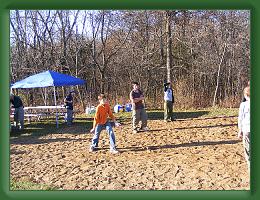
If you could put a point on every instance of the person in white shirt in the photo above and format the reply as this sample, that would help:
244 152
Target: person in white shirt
244 124
168 102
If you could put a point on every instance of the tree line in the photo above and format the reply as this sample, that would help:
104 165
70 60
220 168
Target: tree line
204 53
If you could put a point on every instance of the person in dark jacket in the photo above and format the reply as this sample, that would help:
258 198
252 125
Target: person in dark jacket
18 111
69 105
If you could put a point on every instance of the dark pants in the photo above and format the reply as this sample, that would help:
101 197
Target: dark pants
246 143
168 108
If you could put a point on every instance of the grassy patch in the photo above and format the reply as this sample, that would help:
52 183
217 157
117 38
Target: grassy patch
83 123
192 113
27 185
47 126
214 112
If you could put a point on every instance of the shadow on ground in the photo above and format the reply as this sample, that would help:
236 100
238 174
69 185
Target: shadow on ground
173 146
40 128
33 132
157 115
210 126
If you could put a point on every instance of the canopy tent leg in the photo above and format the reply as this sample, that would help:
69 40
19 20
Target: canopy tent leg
55 102
45 97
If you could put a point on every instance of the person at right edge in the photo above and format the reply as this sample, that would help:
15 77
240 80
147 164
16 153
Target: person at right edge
244 125
168 102
248 85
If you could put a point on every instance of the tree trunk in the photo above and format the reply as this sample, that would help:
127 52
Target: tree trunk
217 86
169 45
102 82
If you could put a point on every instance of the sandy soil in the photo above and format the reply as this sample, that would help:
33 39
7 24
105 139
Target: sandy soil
188 154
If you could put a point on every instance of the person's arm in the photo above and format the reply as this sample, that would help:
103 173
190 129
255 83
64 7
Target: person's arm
131 97
138 99
96 119
240 118
165 87
110 114
135 100
12 103
68 99
172 97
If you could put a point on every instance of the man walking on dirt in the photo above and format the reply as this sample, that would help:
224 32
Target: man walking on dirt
138 113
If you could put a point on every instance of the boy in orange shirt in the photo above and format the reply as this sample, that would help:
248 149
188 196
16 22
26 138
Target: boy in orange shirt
100 122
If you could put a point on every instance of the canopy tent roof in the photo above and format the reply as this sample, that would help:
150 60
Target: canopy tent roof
46 79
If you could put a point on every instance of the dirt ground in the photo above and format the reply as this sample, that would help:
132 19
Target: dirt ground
188 154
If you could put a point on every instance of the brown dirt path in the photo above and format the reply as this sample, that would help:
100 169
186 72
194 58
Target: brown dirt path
188 154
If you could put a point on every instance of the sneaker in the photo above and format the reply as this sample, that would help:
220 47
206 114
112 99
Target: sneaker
134 131
145 128
91 149
114 151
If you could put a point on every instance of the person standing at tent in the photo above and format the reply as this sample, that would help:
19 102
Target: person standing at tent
69 105
101 122
18 111
138 113
168 102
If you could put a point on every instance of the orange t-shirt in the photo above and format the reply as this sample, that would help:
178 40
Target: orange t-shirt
102 113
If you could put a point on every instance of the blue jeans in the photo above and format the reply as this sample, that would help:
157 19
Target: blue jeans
110 131
19 117
69 116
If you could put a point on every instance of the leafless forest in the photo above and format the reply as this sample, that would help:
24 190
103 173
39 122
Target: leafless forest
206 54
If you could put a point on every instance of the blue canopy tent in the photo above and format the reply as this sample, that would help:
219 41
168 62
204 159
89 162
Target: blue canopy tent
48 79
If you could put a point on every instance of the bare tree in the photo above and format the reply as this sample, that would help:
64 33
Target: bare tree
206 52
169 44
103 47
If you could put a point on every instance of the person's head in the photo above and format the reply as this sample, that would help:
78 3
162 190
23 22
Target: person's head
102 99
247 92
135 85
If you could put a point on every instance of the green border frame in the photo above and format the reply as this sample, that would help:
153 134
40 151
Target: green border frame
6 5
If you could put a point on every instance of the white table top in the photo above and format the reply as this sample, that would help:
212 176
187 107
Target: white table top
45 107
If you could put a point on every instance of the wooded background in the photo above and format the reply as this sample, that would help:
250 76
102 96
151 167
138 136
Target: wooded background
205 54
